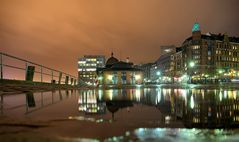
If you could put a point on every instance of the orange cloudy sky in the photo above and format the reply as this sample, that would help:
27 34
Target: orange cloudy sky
56 32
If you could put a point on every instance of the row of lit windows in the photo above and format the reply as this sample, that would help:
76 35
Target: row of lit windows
234 65
224 52
91 59
220 45
197 57
196 47
196 52
88 76
87 69
93 65
224 58
88 72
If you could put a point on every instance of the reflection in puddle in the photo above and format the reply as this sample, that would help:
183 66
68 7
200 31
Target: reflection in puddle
82 118
179 135
128 109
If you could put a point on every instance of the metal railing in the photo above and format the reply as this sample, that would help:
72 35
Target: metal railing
47 75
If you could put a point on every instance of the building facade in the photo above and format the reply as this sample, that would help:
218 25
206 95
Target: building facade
167 49
209 57
119 73
87 66
146 68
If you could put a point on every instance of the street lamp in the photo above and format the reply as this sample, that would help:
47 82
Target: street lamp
191 64
158 73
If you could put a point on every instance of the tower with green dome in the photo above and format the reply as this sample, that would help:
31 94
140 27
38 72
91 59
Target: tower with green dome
196 27
196 31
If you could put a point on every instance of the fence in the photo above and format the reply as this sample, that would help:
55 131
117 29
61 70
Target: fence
20 67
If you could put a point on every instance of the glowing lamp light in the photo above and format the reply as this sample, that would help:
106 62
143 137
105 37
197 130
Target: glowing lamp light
109 77
158 73
100 78
220 71
137 77
191 64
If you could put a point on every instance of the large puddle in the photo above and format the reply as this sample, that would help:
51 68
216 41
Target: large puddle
140 114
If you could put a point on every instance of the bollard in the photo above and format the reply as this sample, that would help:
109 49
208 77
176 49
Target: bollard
67 80
30 73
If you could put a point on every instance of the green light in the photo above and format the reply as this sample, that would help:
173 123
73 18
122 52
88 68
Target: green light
220 71
158 73
191 64
196 27
100 78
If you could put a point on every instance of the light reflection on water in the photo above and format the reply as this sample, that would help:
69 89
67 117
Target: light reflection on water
178 134
194 108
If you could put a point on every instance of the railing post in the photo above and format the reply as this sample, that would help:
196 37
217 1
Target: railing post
26 71
41 75
52 76
1 67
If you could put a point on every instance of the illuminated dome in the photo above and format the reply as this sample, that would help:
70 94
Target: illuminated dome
112 60
196 27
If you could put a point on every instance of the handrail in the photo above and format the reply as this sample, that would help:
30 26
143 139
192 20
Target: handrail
41 72
11 56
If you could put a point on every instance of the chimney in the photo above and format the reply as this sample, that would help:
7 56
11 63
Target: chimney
127 60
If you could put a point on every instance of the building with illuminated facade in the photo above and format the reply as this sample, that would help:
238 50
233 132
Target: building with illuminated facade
87 66
176 65
210 56
119 73
146 68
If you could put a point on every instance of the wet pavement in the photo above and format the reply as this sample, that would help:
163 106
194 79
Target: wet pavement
141 114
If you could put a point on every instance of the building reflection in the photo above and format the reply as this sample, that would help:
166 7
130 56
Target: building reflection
211 108
90 104
194 107
114 106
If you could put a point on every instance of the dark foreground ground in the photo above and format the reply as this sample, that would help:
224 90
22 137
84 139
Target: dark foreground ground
50 128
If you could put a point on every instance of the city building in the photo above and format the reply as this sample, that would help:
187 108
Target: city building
155 73
210 57
176 65
119 73
87 66
146 70
167 49
166 63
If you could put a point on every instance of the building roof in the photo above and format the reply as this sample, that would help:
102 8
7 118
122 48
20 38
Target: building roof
112 60
119 66
219 37
122 66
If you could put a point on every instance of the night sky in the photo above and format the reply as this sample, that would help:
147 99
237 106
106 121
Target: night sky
56 33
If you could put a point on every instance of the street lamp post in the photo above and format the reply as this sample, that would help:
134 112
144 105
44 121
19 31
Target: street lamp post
191 65
158 74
